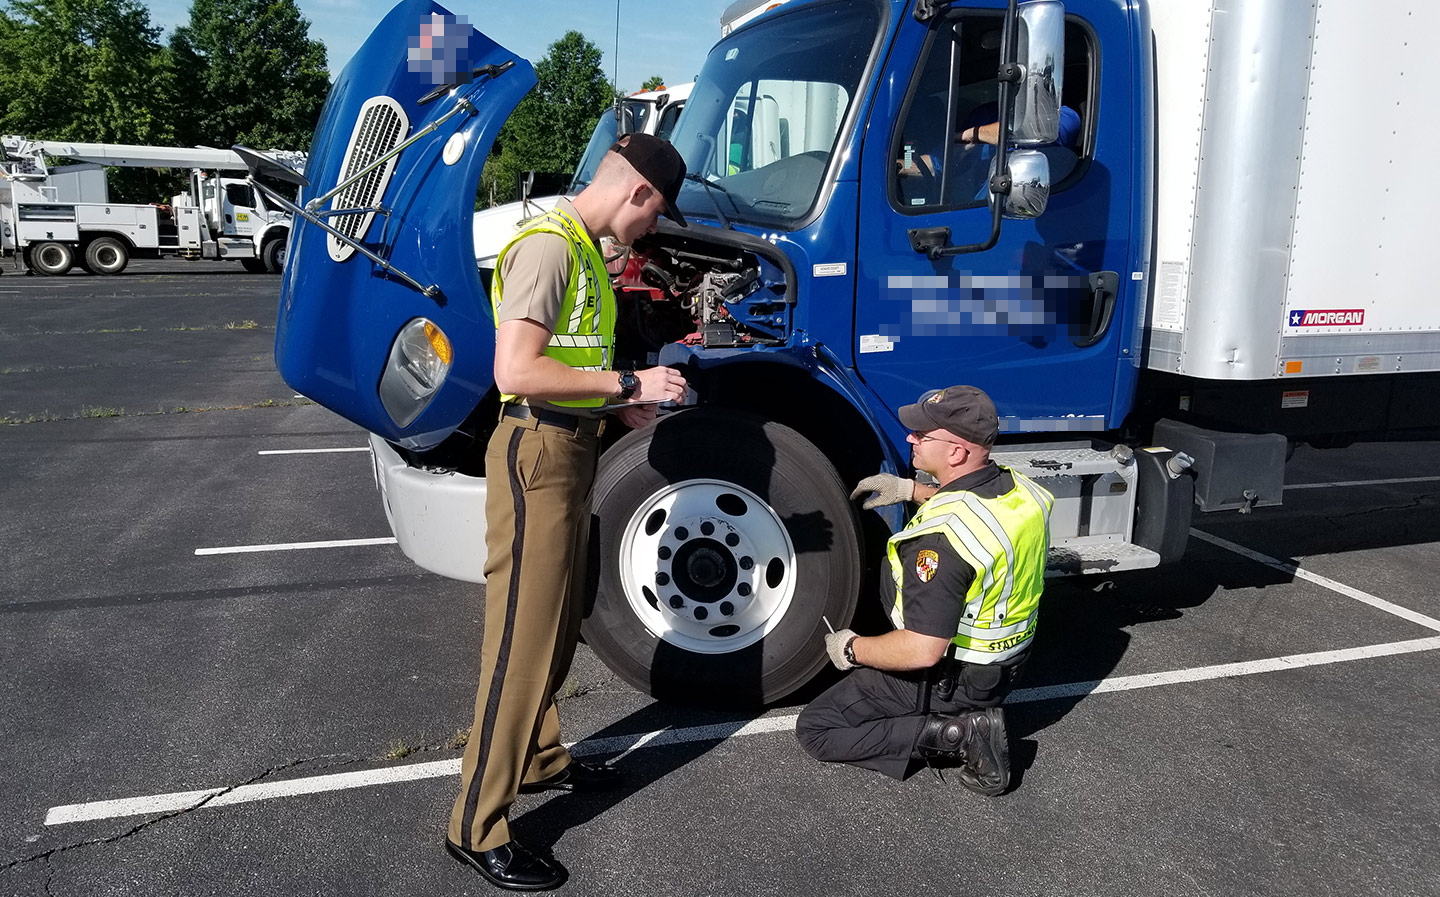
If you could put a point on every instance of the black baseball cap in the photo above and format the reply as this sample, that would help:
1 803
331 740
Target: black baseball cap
659 163
964 411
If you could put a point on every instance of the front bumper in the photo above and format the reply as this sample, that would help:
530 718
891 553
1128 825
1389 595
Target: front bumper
438 518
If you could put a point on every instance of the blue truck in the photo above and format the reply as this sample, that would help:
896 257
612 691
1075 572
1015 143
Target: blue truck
1219 263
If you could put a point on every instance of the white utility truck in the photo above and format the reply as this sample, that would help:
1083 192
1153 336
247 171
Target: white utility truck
217 217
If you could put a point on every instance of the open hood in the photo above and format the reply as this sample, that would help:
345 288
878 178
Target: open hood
342 305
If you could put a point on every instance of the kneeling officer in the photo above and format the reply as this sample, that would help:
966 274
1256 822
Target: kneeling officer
968 571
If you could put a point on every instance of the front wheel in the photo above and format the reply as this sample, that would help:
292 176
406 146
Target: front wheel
723 540
272 254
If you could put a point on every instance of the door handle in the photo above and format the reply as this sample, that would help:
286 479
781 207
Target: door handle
1104 289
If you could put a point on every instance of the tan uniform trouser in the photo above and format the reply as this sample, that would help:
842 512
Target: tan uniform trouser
538 518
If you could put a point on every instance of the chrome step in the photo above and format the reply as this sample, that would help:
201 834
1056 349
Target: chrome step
1079 556
1044 462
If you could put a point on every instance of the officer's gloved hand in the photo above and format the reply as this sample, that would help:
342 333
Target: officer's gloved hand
885 489
835 643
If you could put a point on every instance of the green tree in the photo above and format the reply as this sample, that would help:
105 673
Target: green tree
549 129
85 70
260 80
654 82
90 71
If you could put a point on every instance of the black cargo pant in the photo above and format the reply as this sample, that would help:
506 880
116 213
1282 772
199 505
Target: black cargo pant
872 718
538 519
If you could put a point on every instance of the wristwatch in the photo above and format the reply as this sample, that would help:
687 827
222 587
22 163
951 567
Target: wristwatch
628 384
850 651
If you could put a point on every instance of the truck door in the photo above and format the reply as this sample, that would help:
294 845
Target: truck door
239 215
1020 320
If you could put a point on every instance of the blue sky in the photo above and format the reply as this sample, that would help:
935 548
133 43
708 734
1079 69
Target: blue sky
666 39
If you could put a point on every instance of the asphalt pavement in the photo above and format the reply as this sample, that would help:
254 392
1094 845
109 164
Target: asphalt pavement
197 700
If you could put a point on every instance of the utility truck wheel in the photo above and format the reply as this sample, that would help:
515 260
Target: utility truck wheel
51 258
722 540
254 266
106 255
273 255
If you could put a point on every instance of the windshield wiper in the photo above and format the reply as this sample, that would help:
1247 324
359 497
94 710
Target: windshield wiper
492 71
699 179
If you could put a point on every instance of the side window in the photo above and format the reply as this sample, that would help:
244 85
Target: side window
668 117
944 144
240 195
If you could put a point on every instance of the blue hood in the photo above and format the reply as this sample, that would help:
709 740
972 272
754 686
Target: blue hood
338 319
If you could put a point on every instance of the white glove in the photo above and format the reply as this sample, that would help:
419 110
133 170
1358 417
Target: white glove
887 489
835 643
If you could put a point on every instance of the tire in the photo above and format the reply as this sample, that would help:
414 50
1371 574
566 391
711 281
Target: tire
272 254
51 259
106 255
254 266
687 608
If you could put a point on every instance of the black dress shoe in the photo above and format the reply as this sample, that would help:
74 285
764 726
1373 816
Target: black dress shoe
511 866
578 776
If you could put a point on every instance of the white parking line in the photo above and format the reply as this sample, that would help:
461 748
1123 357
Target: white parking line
626 744
1289 486
295 546
363 448
1403 613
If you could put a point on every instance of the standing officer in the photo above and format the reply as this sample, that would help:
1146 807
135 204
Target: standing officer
968 570
555 320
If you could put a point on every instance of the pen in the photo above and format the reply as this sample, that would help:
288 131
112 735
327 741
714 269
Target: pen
827 623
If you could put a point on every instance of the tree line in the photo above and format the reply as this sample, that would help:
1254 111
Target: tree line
238 71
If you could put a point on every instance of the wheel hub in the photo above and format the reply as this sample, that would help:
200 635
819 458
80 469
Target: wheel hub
707 566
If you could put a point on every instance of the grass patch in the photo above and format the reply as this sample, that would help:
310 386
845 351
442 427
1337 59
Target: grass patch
398 750
458 740
243 325
88 411
570 689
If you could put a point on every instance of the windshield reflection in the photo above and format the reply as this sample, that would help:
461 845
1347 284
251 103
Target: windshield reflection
766 112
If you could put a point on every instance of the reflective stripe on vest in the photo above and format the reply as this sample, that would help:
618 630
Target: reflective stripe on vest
1005 540
585 328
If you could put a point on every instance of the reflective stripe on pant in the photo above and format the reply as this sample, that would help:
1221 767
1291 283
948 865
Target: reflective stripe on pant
537 514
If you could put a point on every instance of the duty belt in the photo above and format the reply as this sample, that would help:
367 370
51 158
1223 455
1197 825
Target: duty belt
574 424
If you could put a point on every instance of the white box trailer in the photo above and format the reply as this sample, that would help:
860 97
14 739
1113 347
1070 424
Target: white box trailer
1291 239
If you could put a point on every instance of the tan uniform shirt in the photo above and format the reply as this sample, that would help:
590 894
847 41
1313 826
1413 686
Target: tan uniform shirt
536 272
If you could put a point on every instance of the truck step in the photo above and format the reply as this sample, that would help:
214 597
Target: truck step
1078 556
1042 462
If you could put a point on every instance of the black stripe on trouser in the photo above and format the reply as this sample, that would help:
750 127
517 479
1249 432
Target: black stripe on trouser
502 655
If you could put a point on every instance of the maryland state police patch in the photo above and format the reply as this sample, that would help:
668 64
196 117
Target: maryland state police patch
926 563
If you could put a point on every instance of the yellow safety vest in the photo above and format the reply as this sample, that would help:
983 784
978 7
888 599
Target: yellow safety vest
584 336
1005 540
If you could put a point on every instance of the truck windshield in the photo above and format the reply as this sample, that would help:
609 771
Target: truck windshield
634 114
765 115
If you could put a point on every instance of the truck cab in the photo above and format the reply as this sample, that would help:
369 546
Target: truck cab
887 196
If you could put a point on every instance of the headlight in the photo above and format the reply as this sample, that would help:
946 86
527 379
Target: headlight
419 360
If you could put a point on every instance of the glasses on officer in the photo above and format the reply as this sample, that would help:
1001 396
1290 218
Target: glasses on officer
924 437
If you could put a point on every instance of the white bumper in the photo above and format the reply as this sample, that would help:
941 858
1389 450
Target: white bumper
438 518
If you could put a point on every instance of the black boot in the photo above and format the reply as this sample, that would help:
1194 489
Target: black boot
943 737
986 752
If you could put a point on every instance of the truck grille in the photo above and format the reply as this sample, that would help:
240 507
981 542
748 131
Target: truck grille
380 127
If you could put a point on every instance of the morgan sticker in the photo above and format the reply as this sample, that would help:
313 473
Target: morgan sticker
926 563
1332 317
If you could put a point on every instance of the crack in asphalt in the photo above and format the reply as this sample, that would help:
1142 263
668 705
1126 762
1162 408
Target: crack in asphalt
47 855
1412 505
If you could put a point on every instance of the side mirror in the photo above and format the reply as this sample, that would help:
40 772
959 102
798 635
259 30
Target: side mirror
1040 53
1029 184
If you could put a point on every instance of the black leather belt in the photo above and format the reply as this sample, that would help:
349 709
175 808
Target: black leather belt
572 423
